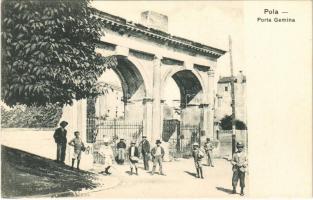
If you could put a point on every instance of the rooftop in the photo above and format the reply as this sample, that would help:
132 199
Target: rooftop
228 79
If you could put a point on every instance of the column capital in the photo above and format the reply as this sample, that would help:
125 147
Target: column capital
147 100
204 105
211 73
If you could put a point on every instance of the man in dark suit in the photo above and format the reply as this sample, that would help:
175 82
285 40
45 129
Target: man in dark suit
121 147
61 140
145 150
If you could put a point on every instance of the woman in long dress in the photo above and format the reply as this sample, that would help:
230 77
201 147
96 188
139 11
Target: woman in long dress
107 153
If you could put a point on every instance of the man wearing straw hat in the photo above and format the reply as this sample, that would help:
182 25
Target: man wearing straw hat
133 154
157 154
239 162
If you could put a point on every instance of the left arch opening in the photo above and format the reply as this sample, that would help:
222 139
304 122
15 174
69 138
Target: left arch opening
124 100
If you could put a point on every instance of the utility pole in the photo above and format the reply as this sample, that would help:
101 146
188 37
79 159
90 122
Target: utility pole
232 98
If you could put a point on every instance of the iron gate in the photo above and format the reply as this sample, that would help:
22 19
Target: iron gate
180 137
114 130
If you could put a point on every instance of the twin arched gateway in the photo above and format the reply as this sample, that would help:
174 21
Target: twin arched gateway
147 59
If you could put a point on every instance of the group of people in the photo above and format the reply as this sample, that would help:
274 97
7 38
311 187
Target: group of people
156 153
239 162
239 159
198 154
60 138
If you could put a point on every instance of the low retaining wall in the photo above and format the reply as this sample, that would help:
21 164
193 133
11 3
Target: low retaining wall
225 141
41 143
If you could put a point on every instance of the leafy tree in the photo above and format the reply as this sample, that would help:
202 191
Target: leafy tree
226 123
48 52
21 116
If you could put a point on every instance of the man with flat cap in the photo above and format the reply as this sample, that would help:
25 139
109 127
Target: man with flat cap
61 140
157 154
240 163
145 150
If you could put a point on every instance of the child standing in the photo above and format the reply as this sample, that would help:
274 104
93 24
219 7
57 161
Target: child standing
79 146
197 155
239 163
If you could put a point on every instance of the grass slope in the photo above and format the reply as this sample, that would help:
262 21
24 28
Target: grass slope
24 174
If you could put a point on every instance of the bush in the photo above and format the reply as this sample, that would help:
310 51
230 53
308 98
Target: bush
226 123
31 116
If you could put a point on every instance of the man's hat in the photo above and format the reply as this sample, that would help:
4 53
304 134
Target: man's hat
63 123
195 144
106 140
208 139
240 145
144 136
158 142
133 142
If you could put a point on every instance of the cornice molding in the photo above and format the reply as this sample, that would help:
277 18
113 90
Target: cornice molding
120 25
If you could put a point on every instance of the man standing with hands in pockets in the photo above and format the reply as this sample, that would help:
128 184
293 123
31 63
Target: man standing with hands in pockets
145 150
157 156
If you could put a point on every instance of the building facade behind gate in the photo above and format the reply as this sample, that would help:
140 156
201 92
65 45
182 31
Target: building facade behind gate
148 57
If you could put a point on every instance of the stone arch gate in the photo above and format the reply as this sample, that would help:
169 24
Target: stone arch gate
147 59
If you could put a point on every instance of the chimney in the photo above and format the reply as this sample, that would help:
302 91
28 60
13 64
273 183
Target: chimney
155 20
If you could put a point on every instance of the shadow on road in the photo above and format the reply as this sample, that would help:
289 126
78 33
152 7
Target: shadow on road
142 168
224 190
128 172
191 174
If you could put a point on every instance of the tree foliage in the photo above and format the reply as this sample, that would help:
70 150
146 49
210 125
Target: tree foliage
226 123
48 52
21 116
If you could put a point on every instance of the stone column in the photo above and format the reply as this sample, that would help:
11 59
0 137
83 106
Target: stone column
156 114
210 104
82 127
204 122
162 102
147 118
76 116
